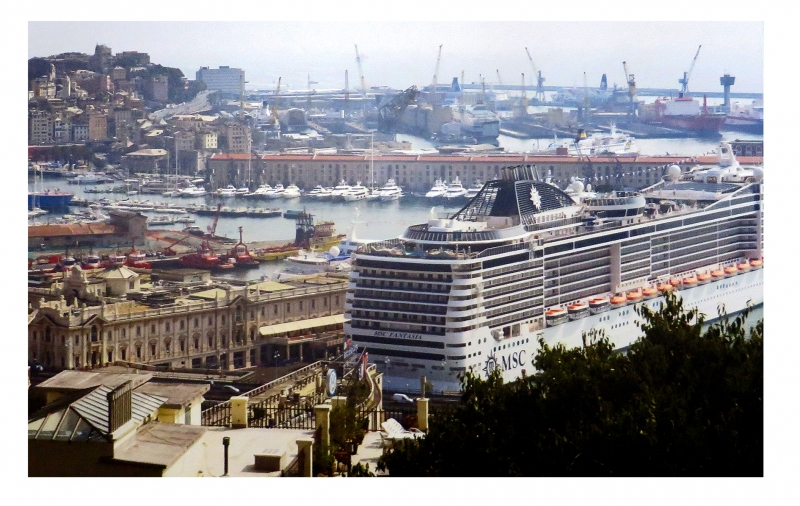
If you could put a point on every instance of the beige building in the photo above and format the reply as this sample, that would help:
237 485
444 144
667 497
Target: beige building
98 126
228 327
207 140
417 173
119 74
145 160
238 137
184 141
40 127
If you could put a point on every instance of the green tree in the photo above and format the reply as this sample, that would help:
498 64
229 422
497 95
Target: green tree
680 402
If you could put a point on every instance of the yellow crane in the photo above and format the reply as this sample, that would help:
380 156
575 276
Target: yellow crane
629 78
275 103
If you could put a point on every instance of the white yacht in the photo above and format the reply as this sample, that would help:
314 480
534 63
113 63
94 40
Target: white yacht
338 192
474 189
455 190
261 191
291 192
193 191
356 192
390 191
523 261
315 191
276 192
374 194
228 191
438 190
241 192
324 194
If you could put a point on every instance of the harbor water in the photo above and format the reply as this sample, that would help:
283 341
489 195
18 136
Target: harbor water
376 220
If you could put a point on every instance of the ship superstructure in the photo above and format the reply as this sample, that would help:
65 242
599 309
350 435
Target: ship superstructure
524 260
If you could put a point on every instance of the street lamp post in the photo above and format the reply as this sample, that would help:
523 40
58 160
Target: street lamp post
275 357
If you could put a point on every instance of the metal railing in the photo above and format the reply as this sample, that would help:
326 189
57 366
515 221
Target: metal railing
297 414
220 414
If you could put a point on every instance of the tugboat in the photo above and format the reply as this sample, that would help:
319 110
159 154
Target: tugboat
137 260
204 257
240 257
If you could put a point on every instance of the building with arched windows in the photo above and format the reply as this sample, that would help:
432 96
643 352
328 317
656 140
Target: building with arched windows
89 320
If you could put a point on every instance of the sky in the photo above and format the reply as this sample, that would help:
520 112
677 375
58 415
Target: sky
402 53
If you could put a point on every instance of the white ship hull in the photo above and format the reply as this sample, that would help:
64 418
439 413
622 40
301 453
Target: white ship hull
516 354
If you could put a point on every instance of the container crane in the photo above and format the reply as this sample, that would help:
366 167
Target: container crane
687 75
500 81
629 78
361 74
539 79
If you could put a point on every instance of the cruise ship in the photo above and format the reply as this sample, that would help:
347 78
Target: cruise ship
524 261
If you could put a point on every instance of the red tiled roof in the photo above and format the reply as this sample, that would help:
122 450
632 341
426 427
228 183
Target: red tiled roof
71 230
499 159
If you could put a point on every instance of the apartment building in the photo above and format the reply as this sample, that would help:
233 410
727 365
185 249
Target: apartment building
225 79
40 127
238 136
98 126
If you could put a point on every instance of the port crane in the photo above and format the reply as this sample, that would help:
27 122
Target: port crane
274 119
390 112
213 227
500 81
686 75
168 251
539 79
361 73
629 78
436 74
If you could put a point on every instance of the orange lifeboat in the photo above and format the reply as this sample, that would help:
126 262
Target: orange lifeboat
675 282
618 301
598 305
634 296
717 274
731 270
556 316
690 281
743 267
578 310
665 287
703 278
649 292
756 263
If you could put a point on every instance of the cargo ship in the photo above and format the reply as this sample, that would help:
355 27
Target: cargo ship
685 113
